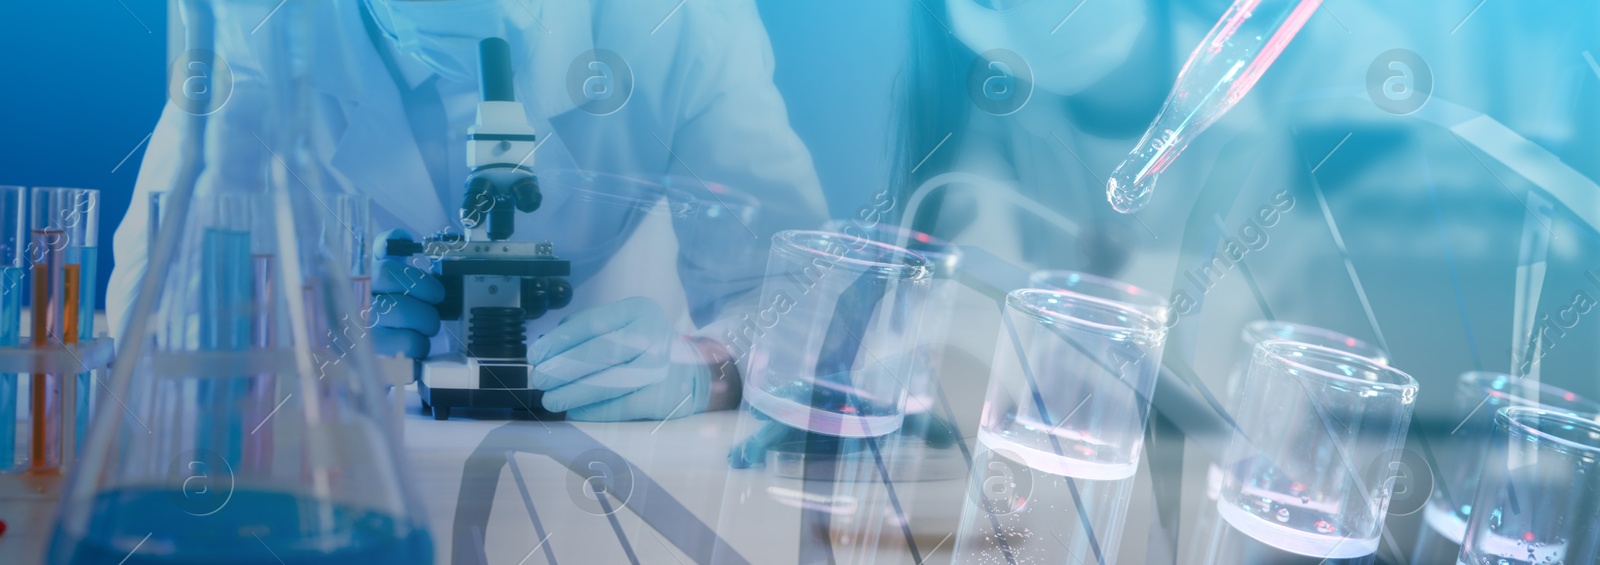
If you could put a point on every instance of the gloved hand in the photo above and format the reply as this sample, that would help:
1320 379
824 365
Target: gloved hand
404 302
612 362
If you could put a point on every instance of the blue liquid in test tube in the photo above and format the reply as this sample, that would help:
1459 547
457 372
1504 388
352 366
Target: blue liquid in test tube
86 258
226 296
12 285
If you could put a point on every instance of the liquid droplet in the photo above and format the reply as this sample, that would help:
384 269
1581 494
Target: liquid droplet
1127 194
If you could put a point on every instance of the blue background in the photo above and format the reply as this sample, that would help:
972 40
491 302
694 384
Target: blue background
83 88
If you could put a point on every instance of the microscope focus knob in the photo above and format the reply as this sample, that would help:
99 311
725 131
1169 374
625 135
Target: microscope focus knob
535 298
478 203
559 292
526 194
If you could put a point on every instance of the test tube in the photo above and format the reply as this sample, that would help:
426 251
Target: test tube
227 298
258 446
83 256
1061 431
839 316
1479 395
47 254
350 233
12 286
1305 474
1538 500
153 214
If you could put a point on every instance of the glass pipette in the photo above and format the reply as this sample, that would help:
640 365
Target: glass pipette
1222 69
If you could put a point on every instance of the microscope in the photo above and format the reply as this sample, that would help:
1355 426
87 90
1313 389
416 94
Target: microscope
492 285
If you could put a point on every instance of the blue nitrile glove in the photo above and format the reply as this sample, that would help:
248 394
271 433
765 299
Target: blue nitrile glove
404 302
612 362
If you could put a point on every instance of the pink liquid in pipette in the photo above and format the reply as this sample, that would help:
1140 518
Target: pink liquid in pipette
1220 71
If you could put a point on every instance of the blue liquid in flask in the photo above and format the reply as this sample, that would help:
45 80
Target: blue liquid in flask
153 526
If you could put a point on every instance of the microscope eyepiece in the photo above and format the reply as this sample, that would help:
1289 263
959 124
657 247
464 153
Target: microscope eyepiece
494 81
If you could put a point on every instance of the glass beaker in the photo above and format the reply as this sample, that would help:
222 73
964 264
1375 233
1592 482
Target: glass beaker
1308 468
1062 428
1071 383
836 312
13 272
1263 330
943 259
1461 455
1150 303
1538 500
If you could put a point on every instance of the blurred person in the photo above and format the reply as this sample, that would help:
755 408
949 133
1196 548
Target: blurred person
396 99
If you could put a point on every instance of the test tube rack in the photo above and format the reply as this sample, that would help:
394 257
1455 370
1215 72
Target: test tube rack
94 356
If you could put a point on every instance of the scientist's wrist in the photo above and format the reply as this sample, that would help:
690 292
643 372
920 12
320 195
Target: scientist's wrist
726 387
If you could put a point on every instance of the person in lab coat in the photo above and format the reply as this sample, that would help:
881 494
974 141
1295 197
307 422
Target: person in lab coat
1040 103
396 95
1043 99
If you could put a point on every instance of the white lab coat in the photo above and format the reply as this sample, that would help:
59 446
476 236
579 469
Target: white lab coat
703 107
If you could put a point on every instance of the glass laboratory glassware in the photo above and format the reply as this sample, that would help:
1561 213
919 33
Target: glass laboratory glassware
943 259
1263 330
151 486
1220 71
82 270
719 247
828 352
158 199
175 470
1308 467
838 318
1538 500
349 228
1479 395
54 293
1071 383
13 274
1062 428
1150 303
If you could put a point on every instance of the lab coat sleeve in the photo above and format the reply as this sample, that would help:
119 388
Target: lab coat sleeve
157 173
734 131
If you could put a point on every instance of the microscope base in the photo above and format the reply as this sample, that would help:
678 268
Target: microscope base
520 401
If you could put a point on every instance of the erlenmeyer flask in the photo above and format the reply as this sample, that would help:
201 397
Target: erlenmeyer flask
234 445
244 421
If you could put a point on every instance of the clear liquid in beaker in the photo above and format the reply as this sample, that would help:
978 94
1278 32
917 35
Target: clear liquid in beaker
1299 526
1071 442
846 418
